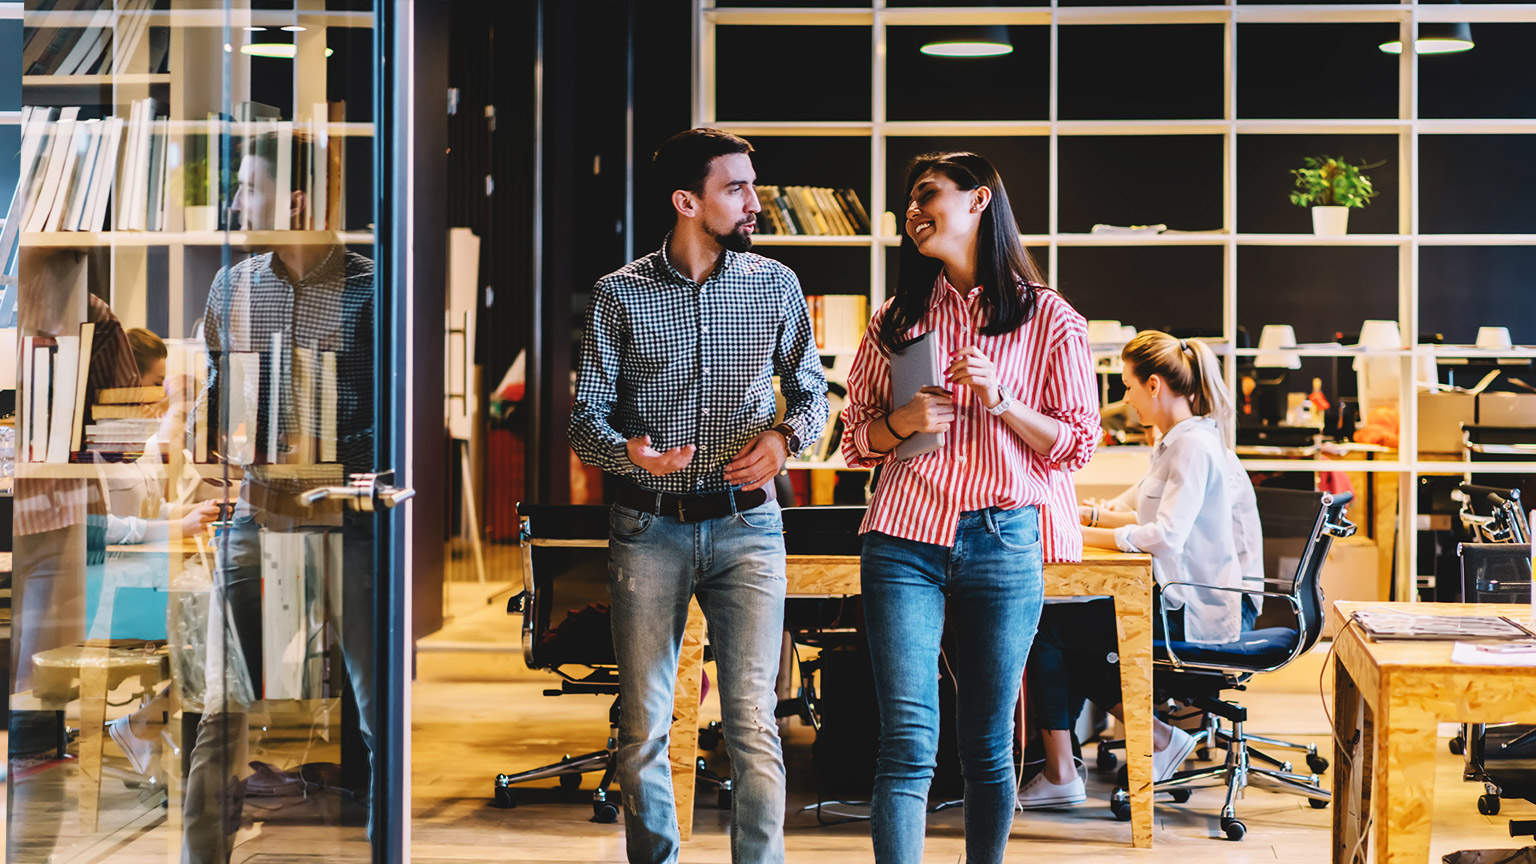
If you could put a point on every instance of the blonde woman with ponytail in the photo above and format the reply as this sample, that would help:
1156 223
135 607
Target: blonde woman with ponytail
1195 513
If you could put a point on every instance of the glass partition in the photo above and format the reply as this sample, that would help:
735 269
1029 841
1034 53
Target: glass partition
190 293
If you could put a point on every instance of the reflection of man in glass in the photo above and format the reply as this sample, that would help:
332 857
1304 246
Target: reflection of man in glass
303 315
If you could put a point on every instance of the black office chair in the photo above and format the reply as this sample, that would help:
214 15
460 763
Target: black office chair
1495 569
1196 674
568 545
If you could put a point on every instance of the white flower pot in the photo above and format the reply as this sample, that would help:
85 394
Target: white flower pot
1332 221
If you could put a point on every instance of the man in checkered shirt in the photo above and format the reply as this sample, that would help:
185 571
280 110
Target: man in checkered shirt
675 398
317 299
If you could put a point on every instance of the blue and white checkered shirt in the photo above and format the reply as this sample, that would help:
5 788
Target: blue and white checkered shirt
693 364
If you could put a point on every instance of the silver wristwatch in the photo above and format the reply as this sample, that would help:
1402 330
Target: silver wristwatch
1004 402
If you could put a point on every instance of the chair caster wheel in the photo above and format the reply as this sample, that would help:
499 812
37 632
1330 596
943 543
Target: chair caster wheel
1318 803
1120 805
1457 745
1235 828
723 799
570 782
604 813
1179 796
1316 763
1203 754
504 799
711 736
1105 760
1488 805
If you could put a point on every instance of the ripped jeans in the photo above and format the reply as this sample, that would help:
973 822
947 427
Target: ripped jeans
735 566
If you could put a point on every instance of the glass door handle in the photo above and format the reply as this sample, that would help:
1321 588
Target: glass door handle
364 492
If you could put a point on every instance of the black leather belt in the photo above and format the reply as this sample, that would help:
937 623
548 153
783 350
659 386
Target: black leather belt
690 508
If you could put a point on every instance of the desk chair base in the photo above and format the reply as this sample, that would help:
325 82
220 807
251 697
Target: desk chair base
1235 775
571 768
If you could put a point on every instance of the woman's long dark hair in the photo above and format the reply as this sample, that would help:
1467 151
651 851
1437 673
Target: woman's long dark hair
1008 276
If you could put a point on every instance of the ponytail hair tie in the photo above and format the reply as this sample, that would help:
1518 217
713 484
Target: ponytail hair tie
1183 345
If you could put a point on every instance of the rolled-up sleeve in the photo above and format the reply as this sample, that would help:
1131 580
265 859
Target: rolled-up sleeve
798 365
869 397
1070 397
592 434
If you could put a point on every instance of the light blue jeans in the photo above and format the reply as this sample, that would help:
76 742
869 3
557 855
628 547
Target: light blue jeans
991 580
735 566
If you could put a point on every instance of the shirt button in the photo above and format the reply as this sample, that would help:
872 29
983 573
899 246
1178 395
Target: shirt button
706 370
706 329
961 458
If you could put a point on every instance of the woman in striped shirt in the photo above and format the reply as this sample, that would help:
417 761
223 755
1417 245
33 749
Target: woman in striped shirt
959 529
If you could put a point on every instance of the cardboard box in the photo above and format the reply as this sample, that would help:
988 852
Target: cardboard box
1350 573
1506 409
1440 419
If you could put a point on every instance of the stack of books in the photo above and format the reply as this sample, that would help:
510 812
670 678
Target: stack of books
811 210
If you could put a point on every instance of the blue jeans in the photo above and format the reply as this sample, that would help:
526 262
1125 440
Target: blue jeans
992 582
735 566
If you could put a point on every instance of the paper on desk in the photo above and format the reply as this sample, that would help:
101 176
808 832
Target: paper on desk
1494 653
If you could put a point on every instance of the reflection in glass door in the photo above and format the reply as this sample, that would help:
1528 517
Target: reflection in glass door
197 499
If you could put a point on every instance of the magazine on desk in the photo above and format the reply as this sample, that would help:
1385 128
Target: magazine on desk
1385 626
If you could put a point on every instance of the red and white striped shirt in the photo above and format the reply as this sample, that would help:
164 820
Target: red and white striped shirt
1046 365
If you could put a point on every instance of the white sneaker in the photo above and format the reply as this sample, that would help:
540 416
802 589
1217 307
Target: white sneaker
140 753
1168 760
1040 792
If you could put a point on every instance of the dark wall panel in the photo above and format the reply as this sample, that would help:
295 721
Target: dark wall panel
1318 290
1172 179
1023 163
1014 86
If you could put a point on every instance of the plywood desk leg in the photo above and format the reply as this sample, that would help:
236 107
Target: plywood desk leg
1405 782
684 745
93 717
1133 621
1351 766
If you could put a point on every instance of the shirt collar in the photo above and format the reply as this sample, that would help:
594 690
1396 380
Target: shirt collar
1183 428
323 273
727 261
944 289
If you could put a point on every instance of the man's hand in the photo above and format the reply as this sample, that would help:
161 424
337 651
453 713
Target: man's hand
659 462
757 463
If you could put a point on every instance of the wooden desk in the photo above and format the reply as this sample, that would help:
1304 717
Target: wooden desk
1389 698
1125 577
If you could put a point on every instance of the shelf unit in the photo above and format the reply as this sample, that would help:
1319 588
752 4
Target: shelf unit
1407 126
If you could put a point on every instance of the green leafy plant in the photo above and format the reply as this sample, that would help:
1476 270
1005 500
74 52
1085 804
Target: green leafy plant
1330 181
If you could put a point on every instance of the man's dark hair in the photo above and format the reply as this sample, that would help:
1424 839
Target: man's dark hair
682 161
264 144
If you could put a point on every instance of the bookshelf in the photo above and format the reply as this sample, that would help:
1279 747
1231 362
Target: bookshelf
188 60
1403 108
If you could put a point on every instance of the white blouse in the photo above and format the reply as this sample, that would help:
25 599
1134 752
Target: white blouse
1197 516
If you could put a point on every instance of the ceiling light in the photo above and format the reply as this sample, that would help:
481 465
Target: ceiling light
1436 38
294 28
987 41
279 50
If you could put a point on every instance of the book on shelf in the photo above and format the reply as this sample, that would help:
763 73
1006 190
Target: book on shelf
55 375
811 211
60 139
86 344
100 45
130 395
838 321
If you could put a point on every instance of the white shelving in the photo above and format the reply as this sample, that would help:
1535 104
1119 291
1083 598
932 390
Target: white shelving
1407 126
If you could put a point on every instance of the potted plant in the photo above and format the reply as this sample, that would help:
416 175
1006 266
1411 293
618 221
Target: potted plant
1330 186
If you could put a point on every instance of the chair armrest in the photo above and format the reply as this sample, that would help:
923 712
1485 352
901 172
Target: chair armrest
1162 612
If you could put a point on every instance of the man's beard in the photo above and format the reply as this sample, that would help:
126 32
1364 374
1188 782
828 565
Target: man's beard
737 240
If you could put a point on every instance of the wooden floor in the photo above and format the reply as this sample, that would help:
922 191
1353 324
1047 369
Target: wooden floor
477 711
478 715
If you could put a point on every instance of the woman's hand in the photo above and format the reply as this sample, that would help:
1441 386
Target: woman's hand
198 517
975 370
931 410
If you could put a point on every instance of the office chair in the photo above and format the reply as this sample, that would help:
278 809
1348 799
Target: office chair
1495 569
568 544
1196 674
